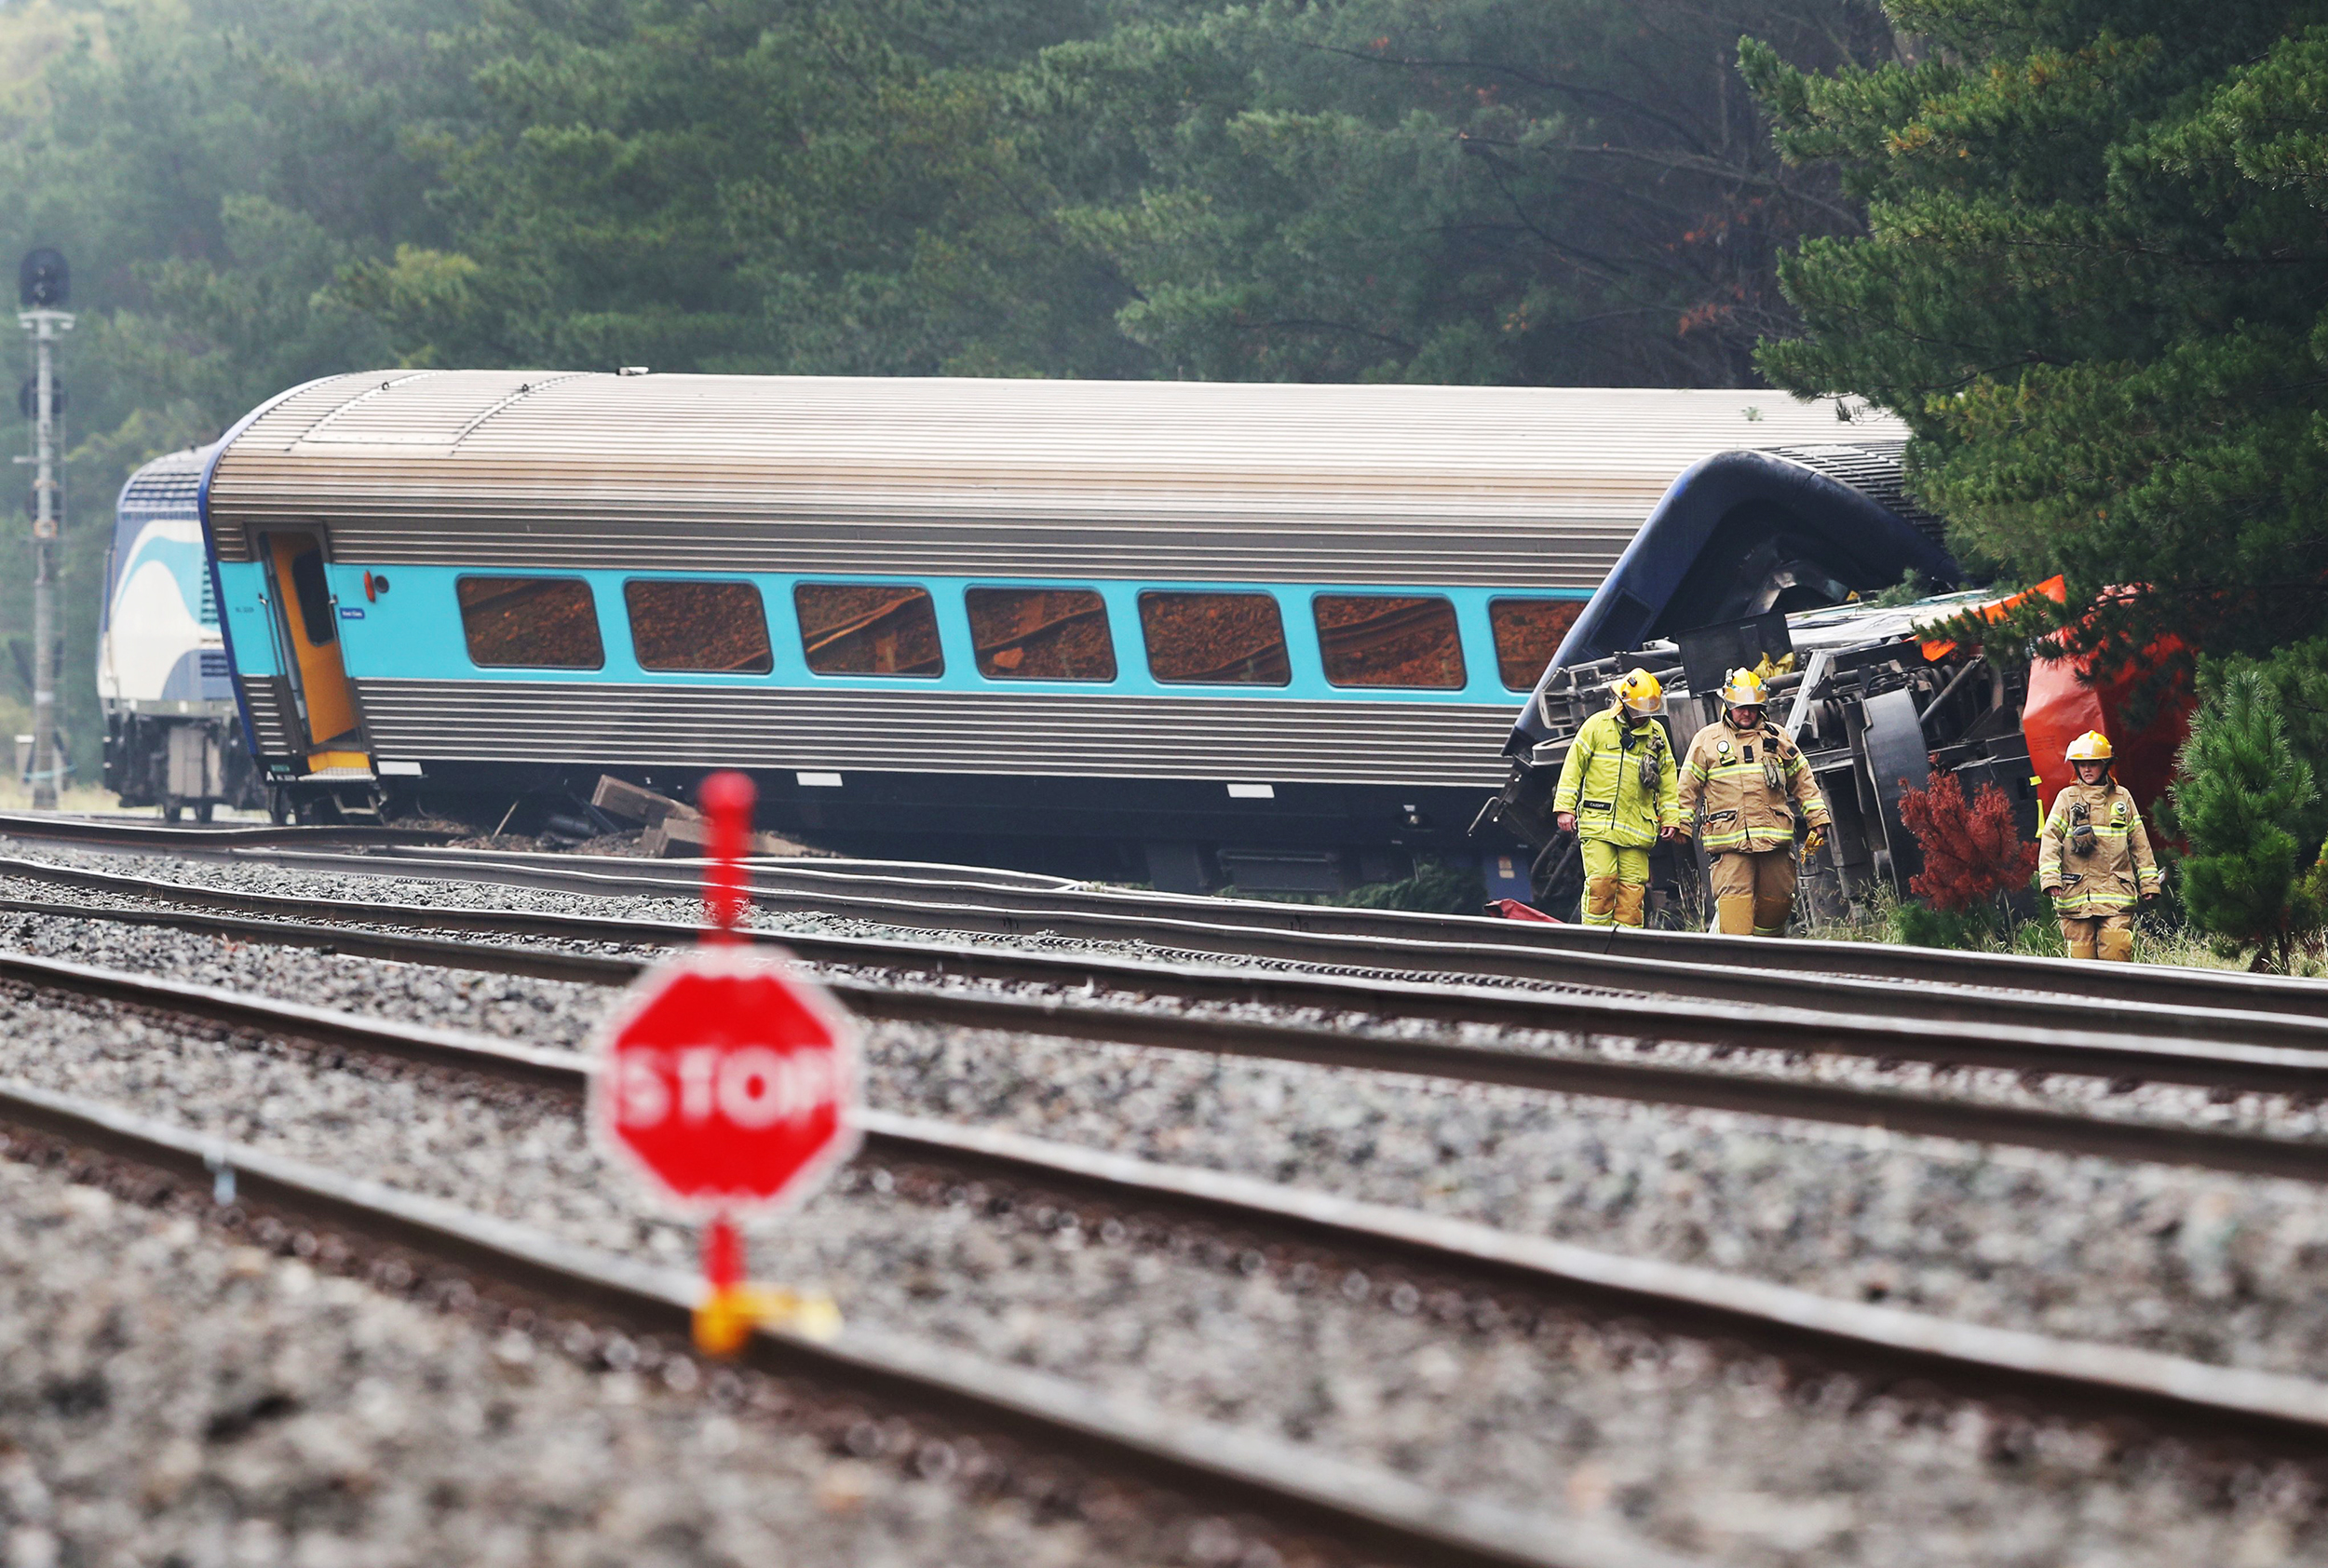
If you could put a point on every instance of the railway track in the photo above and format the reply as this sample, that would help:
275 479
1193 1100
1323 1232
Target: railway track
1369 978
1014 904
1202 1468
2193 1401
1600 1075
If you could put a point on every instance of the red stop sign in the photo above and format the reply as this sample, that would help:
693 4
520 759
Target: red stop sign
729 1079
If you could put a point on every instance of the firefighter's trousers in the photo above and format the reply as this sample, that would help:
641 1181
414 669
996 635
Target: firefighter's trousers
2099 936
1615 883
1754 890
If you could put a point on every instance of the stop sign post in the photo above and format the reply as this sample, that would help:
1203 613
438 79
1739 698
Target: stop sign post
728 1080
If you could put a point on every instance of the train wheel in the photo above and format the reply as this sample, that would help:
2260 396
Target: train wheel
173 808
203 811
278 807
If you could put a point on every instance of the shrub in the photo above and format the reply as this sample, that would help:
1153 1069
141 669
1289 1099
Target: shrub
1973 851
2242 799
1920 925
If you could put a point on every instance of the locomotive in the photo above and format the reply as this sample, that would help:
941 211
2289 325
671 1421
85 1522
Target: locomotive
172 735
1192 635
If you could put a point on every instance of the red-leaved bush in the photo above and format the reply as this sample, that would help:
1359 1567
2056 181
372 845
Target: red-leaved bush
1972 851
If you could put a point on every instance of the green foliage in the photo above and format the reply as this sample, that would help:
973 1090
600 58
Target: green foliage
2240 803
1437 887
753 185
2091 282
1911 586
1919 925
1459 191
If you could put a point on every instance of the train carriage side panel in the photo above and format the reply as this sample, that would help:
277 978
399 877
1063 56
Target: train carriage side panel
420 478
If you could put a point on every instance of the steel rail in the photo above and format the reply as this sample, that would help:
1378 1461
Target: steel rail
131 832
215 839
1294 934
1848 1007
1073 909
2076 1378
2090 1379
2165 984
1841 999
1560 1072
1216 1468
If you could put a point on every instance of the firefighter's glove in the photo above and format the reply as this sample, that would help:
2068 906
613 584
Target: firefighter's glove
1565 821
2081 831
1670 835
1815 843
1773 775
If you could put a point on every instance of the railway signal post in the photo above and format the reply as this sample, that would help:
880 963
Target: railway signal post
730 1082
44 285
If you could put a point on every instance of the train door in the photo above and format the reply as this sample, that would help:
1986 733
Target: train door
309 620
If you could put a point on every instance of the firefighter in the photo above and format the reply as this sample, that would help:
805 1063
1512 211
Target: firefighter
1617 794
1742 784
2093 857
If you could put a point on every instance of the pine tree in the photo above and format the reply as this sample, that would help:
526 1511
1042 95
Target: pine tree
2240 803
2091 282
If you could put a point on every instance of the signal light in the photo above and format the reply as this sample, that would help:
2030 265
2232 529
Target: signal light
42 281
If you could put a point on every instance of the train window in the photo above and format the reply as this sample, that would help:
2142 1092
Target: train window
1215 639
1527 635
717 626
867 629
1379 640
530 623
1040 634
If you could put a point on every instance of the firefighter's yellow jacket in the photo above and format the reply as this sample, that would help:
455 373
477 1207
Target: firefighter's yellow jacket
1600 781
2119 868
1726 787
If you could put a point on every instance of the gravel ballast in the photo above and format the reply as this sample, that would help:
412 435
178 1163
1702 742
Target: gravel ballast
2206 1265
173 1397
1703 1453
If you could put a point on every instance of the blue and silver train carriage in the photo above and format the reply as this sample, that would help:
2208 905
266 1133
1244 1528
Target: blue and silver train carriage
1182 632
172 738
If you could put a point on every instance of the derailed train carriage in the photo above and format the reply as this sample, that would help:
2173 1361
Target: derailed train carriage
1186 634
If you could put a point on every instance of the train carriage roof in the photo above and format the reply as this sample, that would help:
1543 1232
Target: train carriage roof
1527 487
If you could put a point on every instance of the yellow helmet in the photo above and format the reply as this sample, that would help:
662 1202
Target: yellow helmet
1639 692
2091 746
1745 690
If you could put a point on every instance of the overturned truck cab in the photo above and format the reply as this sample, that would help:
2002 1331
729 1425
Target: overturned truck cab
1875 708
1761 560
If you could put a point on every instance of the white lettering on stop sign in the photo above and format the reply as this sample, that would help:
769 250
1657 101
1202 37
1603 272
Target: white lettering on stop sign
751 1086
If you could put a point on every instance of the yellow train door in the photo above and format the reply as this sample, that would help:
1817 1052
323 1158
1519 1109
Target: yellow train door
310 621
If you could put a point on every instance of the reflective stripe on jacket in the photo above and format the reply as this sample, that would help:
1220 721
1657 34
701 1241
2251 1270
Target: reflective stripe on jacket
2119 871
1599 781
1727 791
